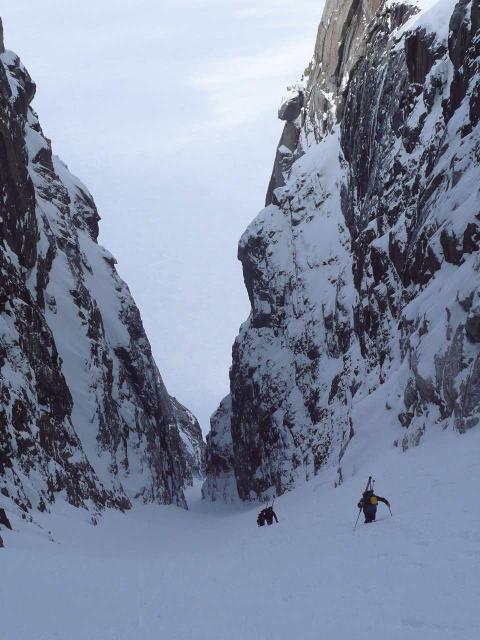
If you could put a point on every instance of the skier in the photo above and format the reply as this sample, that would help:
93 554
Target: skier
266 515
270 515
368 502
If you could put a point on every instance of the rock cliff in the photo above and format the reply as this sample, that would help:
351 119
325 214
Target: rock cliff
363 270
84 413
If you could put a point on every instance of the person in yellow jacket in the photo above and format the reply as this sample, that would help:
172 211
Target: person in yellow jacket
368 502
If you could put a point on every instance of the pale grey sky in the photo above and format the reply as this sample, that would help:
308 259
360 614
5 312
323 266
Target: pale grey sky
167 111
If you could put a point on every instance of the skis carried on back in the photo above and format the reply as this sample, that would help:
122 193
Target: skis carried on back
369 487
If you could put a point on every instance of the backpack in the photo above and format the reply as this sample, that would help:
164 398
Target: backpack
369 498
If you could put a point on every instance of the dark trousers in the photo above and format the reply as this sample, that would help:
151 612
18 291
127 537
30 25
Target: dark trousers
370 514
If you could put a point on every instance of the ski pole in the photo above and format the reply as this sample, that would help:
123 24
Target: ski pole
356 521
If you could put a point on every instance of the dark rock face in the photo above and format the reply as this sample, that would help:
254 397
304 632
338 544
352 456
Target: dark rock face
220 483
363 271
84 411
4 521
291 112
192 442
311 108
292 108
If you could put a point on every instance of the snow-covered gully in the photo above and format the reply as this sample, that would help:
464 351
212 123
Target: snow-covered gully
360 357
211 574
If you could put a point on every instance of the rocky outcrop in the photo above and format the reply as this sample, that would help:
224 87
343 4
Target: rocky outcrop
340 43
220 481
84 413
4 521
363 269
192 443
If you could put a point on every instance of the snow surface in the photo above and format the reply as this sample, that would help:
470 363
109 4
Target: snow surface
210 573
433 16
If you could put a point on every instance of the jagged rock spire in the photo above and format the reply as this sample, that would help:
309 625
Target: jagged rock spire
339 45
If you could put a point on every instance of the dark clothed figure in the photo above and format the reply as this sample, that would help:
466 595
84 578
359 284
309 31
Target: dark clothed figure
368 502
266 515
261 518
270 515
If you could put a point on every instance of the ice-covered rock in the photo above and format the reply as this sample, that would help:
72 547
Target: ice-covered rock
84 413
363 271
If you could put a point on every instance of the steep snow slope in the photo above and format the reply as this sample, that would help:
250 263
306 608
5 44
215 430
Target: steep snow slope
363 270
84 412
210 573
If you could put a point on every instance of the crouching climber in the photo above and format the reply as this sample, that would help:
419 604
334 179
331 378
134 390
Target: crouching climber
368 503
266 515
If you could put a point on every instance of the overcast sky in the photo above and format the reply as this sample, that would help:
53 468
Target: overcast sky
166 109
